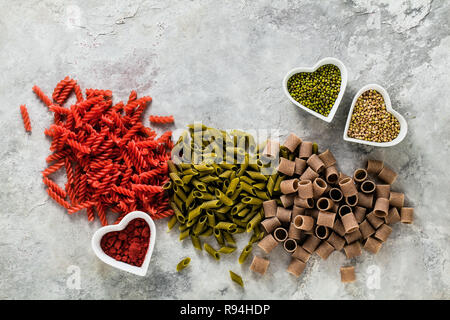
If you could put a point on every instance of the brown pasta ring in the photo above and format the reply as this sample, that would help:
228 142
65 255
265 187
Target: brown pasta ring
311 243
319 187
300 166
305 150
268 243
309 174
383 191
388 175
290 245
366 229
259 265
381 207
326 219
352 200
294 233
324 204
269 206
289 186
324 250
368 186
331 175
374 166
301 254
284 215
304 203
270 224
372 245
315 163
360 175
305 189
305 223
365 200
348 274
327 158
347 186
296 267
344 209
287 200
396 199
292 142
280 234
322 232
407 215
335 194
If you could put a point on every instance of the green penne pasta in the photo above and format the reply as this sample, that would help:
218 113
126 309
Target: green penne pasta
256 175
192 214
183 264
203 168
207 233
252 200
237 208
211 251
270 185
239 222
208 179
236 278
253 222
237 230
236 193
226 174
227 166
167 185
203 195
260 186
223 209
172 222
210 204
276 187
180 204
245 252
184 234
190 223
187 178
227 250
176 179
180 217
190 172
171 166
247 180
232 186
228 238
199 185
200 225
211 218
247 188
180 194
196 243
315 148
190 198
223 198
183 227
225 225
262 195
243 212
218 235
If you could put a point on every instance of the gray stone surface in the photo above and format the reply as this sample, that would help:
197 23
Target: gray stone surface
222 62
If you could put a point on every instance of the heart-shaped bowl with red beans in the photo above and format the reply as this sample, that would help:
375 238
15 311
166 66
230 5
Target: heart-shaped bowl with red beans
127 245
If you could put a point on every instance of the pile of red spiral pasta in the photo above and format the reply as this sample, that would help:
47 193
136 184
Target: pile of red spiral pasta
112 161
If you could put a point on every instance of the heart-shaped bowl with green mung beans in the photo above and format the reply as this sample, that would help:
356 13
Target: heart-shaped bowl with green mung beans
372 120
317 90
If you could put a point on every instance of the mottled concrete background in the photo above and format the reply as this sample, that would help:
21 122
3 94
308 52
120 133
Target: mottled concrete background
222 62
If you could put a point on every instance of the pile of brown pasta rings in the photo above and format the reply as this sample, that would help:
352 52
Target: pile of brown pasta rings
288 194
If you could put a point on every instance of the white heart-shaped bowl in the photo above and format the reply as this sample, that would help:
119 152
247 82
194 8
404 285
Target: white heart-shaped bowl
387 100
98 235
322 62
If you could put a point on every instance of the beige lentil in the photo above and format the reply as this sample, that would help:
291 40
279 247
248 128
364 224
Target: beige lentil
371 121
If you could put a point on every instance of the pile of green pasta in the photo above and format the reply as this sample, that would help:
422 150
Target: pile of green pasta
218 183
